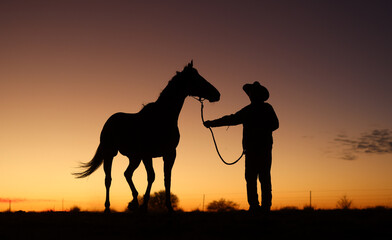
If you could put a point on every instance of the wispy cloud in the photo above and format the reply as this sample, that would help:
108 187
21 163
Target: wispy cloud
378 141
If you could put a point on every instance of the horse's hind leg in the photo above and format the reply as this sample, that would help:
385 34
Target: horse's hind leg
107 166
133 164
168 160
150 179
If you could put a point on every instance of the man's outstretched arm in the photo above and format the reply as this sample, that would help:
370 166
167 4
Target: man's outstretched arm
228 120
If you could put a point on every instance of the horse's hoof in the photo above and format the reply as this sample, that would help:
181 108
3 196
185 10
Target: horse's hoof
143 209
133 205
170 210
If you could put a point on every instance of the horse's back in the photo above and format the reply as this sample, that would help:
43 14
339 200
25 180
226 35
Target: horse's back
144 133
116 124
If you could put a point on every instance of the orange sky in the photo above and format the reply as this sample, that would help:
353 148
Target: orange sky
66 66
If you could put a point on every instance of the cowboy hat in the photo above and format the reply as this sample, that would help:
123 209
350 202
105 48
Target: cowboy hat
256 92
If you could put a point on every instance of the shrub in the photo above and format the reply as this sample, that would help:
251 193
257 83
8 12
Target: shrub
157 202
222 205
308 208
74 209
289 208
344 203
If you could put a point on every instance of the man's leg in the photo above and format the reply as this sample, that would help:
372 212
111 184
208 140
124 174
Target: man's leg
251 181
265 180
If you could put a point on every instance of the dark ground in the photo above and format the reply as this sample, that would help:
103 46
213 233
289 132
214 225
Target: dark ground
319 224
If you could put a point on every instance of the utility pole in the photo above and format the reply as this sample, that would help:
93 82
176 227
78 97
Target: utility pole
62 205
204 198
10 205
310 199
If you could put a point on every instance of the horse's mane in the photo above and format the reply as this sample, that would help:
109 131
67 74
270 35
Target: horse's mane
172 88
169 91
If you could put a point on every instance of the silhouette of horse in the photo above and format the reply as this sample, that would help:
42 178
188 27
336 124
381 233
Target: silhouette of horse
152 132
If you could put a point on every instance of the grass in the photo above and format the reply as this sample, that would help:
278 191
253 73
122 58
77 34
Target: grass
337 224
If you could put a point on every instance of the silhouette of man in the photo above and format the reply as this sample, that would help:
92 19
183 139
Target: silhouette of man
259 121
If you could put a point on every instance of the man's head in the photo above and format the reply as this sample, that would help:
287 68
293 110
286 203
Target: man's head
256 92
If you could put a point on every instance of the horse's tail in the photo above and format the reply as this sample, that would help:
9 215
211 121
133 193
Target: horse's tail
93 165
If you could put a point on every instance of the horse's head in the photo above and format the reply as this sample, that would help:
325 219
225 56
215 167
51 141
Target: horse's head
197 86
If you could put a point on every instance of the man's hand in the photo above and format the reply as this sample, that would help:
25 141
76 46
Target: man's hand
207 124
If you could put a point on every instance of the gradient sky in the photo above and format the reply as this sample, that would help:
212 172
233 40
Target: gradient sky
66 66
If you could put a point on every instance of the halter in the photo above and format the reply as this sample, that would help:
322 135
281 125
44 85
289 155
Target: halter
201 100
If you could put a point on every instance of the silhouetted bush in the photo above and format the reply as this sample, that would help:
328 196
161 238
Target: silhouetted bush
289 208
222 205
344 203
74 209
197 210
308 208
157 202
378 208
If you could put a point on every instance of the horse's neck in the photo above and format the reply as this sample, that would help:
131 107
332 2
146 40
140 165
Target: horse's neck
171 100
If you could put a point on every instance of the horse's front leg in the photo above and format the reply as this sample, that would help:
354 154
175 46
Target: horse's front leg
168 165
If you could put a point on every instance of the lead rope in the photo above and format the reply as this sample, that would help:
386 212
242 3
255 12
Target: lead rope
213 138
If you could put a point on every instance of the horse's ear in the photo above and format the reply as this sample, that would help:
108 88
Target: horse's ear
190 65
